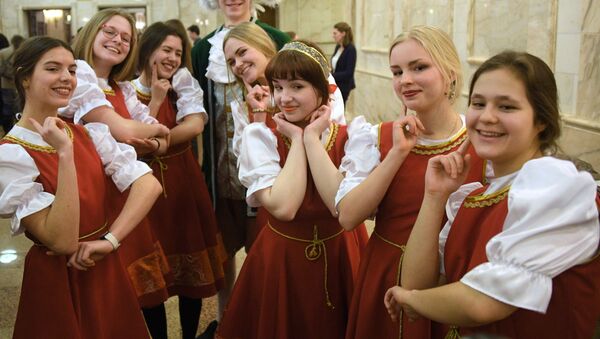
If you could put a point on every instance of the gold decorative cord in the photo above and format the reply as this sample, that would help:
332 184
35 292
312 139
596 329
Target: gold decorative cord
486 200
163 167
452 333
83 237
398 273
26 144
313 251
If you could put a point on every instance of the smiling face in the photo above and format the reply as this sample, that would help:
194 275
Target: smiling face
416 79
500 122
296 98
167 57
53 79
112 42
235 11
245 61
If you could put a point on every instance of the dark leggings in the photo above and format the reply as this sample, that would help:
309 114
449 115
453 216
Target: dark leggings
189 317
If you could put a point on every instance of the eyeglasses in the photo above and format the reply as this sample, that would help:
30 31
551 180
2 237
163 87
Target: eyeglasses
111 32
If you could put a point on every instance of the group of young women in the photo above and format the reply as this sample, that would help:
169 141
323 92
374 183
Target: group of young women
478 228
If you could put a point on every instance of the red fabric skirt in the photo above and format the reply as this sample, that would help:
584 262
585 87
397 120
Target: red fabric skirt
368 316
280 293
184 222
142 257
62 302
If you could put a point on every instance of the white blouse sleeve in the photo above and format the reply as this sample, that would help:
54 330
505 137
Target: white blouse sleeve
337 104
361 155
87 96
119 160
551 226
137 110
20 195
258 161
190 95
452 206
240 121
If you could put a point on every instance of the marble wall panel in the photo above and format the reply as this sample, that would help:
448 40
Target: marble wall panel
588 100
428 12
374 98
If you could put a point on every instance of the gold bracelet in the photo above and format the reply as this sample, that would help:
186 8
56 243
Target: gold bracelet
259 110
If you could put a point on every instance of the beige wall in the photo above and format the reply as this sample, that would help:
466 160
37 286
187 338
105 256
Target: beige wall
564 33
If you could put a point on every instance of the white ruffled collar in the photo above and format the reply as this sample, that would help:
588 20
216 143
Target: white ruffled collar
217 65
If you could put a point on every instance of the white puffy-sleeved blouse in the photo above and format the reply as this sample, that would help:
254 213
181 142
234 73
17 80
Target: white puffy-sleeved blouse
362 153
259 159
552 225
21 195
190 96
87 95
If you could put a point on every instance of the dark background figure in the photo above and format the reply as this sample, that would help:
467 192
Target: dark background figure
7 86
343 60
194 34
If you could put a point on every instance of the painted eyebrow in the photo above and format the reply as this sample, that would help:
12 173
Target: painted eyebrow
499 97
410 64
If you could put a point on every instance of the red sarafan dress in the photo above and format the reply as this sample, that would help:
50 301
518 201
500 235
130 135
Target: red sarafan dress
297 280
62 302
182 217
141 253
532 243
381 261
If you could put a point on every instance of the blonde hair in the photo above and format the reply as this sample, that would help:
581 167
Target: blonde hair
442 51
83 47
253 35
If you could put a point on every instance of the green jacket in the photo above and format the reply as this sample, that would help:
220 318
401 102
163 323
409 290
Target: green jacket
200 53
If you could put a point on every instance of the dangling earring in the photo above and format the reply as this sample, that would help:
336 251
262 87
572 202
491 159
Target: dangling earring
452 91
25 84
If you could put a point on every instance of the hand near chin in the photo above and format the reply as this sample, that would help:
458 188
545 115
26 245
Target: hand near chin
406 131
446 173
159 87
53 132
320 120
287 128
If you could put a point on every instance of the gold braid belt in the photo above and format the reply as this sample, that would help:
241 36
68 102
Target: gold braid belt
163 167
313 251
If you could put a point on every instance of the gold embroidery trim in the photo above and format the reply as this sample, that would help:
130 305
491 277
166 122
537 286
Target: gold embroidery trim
163 167
486 200
398 273
333 131
433 149
108 91
140 93
313 251
443 147
45 149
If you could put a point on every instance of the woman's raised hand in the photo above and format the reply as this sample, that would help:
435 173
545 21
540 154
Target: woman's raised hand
287 128
53 132
258 98
319 121
406 130
159 87
446 173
